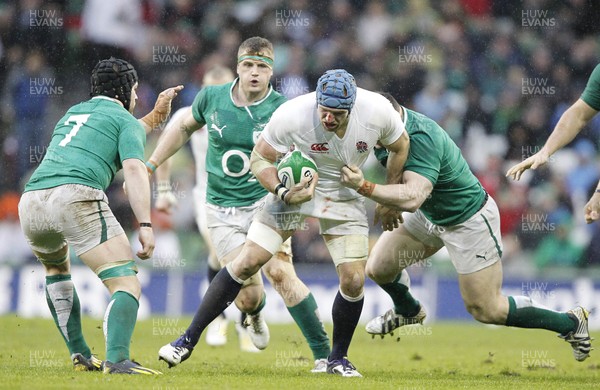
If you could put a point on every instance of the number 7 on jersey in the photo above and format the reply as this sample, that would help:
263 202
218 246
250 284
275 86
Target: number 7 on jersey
79 120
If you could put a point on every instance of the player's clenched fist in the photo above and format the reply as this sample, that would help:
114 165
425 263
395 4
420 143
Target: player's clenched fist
303 191
352 176
146 237
592 208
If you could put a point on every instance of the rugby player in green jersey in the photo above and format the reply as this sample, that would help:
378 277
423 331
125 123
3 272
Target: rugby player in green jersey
64 205
216 333
570 124
449 207
235 115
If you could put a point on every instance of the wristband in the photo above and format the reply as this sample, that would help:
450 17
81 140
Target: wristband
279 186
366 189
145 224
150 166
281 192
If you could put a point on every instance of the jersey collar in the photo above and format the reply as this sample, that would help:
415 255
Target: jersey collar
253 104
109 99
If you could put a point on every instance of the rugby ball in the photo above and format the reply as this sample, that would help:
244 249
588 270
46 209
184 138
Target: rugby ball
294 166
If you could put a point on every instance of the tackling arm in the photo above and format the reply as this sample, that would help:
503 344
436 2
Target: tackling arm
408 196
398 153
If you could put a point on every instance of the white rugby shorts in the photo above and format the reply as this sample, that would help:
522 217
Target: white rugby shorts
228 227
473 245
72 213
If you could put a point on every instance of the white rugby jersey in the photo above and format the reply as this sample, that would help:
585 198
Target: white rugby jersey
296 124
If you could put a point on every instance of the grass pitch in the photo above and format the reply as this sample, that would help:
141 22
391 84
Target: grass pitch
440 356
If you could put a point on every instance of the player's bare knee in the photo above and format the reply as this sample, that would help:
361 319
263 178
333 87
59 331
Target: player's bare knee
277 274
484 313
378 274
352 284
129 284
248 299
247 267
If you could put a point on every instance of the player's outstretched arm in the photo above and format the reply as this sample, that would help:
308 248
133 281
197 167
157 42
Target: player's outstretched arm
173 138
138 192
165 199
162 109
569 125
408 196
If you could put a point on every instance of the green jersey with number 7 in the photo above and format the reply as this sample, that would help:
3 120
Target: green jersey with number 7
88 145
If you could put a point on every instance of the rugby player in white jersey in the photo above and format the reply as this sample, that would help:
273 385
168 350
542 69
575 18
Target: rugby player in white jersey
337 125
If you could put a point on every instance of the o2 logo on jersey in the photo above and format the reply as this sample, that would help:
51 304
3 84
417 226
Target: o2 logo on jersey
320 148
362 146
237 154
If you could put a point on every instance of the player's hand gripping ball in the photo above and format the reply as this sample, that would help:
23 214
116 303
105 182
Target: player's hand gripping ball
294 166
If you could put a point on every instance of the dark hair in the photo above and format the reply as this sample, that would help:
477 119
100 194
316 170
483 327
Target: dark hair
257 46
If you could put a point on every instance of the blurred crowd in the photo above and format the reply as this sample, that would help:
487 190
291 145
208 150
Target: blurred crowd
497 75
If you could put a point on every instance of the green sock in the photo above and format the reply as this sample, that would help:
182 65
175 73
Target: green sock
306 315
404 303
65 308
119 322
523 312
261 305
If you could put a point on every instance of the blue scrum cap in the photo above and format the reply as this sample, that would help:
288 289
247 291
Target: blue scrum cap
336 89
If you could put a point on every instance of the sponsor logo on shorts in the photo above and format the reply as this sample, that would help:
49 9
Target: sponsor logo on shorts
320 148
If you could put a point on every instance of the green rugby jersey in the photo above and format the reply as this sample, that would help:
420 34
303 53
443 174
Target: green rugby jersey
232 133
88 146
591 93
457 193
